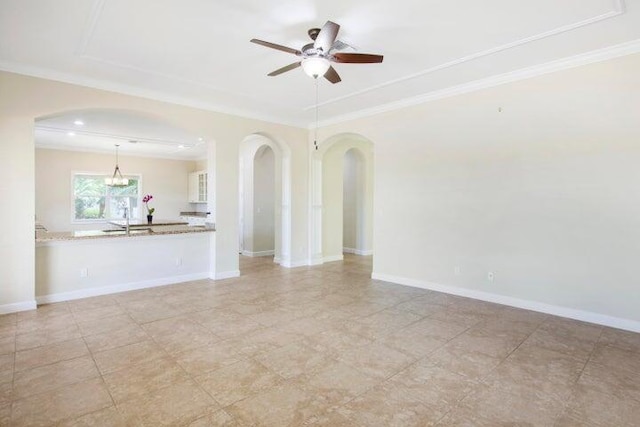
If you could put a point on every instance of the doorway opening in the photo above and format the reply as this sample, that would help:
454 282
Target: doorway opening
260 240
264 195
354 233
342 199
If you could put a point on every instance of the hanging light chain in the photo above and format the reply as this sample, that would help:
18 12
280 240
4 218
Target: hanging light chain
315 137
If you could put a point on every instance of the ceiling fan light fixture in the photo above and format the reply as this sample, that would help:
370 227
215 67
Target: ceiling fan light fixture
318 56
315 67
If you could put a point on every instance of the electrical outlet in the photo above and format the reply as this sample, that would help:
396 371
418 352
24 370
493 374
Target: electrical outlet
490 276
178 262
456 270
84 272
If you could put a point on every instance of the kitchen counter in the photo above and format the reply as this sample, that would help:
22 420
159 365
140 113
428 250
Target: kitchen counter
195 214
81 264
143 222
153 230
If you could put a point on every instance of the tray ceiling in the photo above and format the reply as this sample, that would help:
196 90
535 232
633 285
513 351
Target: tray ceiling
197 52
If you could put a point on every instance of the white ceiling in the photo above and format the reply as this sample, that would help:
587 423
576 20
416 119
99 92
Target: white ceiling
197 52
100 130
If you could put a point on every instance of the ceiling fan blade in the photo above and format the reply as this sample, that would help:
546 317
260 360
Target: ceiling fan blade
332 75
276 46
285 69
357 58
327 36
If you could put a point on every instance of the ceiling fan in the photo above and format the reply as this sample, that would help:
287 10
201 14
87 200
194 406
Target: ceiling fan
318 56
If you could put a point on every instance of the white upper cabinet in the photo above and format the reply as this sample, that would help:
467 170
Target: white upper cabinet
198 187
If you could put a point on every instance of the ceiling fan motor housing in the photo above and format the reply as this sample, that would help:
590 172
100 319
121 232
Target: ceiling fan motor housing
313 33
309 50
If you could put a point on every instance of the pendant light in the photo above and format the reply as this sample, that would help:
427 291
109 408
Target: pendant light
117 180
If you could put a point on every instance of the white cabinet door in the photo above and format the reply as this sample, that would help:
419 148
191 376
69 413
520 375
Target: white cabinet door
202 187
198 187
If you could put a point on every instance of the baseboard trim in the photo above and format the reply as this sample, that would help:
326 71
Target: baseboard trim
332 258
258 254
227 275
294 264
124 287
357 251
18 306
314 261
571 313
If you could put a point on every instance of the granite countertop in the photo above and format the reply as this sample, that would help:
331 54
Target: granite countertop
197 214
153 230
143 222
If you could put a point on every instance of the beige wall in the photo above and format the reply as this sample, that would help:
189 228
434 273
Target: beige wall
201 165
25 98
357 230
17 249
264 181
166 180
545 194
350 193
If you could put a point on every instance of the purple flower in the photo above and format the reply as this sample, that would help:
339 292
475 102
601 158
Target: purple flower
146 200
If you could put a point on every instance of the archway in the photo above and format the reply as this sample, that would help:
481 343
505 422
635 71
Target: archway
260 157
73 158
327 193
156 156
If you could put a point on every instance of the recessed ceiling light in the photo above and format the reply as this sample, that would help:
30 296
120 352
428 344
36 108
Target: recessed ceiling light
78 122
180 146
200 139
71 134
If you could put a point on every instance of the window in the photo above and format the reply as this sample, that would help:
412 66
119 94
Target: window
93 200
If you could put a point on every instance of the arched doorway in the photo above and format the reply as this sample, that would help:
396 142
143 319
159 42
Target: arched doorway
328 165
264 195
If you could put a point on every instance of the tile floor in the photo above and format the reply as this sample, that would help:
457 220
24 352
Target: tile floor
321 346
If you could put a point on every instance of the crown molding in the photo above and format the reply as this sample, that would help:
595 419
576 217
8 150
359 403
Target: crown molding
84 132
75 149
166 76
599 55
49 74
85 40
618 9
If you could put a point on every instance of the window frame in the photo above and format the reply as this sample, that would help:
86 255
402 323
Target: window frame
102 175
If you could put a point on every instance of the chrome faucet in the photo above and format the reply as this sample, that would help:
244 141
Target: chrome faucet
126 216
